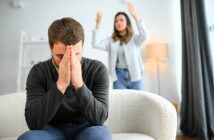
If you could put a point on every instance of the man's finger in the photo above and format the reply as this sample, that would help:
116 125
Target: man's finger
66 56
73 55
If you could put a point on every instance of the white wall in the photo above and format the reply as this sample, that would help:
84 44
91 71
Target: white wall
162 19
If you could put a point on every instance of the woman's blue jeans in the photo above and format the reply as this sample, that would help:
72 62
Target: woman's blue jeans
69 132
124 80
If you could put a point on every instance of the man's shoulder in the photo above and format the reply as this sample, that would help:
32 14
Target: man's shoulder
92 62
42 65
38 71
94 69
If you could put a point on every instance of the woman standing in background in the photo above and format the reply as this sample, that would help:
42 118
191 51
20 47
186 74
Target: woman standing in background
125 63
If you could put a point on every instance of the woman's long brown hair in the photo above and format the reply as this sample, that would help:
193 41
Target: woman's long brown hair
129 31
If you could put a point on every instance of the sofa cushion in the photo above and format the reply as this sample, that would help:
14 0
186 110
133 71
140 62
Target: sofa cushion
9 138
131 136
12 120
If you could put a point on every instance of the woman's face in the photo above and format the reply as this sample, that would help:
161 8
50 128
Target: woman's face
120 23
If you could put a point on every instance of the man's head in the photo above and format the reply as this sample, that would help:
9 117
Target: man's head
64 32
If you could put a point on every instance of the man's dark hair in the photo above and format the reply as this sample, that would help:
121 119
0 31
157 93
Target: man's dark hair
66 30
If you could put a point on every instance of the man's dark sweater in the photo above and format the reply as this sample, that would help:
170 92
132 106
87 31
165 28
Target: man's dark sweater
47 105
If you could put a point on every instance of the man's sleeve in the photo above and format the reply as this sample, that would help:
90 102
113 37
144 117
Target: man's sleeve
41 105
94 102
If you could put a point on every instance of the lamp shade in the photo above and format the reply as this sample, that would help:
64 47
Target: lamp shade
157 51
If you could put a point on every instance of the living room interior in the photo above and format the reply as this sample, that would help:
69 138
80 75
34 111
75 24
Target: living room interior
178 55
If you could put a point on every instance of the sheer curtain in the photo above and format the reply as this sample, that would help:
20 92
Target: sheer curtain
209 9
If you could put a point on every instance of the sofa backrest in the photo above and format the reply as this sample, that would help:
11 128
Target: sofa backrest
12 120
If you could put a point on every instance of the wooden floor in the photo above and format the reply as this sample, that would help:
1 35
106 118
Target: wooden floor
184 138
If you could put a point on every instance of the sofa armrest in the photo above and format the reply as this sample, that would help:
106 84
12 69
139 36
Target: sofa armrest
159 117
132 111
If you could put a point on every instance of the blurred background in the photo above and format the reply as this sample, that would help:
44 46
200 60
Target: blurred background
25 23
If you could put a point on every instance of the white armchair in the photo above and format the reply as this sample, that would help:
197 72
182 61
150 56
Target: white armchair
133 115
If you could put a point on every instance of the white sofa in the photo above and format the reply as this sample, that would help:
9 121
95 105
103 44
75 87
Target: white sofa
133 115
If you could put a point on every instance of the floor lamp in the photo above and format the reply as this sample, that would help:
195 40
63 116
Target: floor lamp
157 52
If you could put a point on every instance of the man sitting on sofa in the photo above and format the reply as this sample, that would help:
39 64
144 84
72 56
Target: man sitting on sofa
67 96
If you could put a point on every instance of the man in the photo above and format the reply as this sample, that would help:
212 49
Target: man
67 96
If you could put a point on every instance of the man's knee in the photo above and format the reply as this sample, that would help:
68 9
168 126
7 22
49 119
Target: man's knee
95 133
30 135
40 135
101 135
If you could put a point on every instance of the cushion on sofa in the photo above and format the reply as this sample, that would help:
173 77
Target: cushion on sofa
9 138
131 136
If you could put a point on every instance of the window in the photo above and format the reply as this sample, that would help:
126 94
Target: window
209 7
